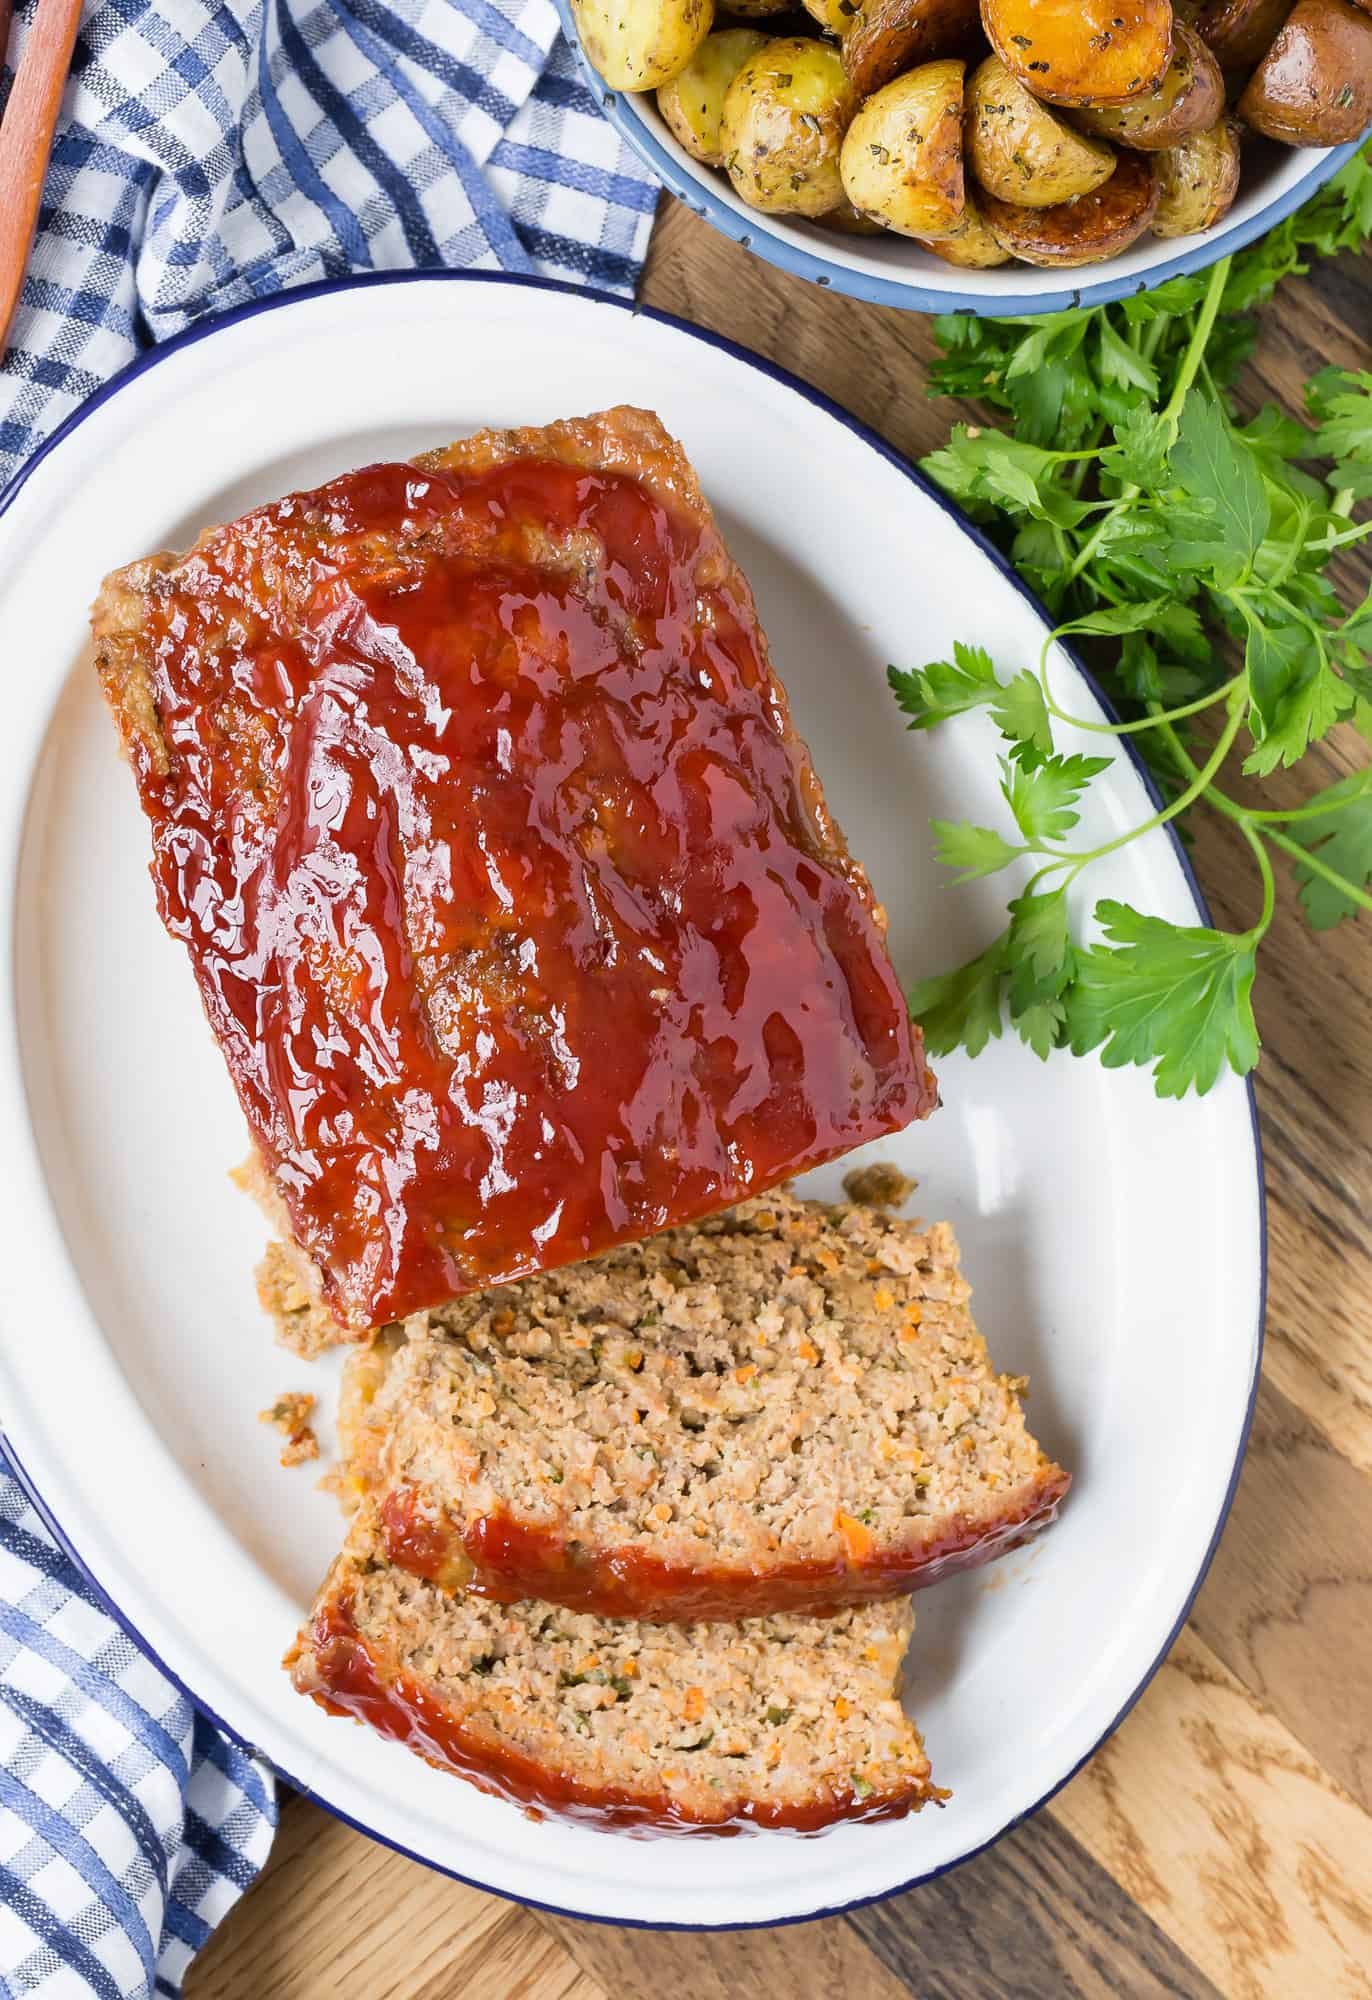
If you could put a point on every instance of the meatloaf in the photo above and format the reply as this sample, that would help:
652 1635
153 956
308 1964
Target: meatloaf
509 887
775 1722
784 1408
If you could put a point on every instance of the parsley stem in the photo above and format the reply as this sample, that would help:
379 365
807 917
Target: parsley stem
1269 882
1308 858
1199 783
1149 721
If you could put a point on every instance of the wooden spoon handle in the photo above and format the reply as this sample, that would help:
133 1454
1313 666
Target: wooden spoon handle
26 141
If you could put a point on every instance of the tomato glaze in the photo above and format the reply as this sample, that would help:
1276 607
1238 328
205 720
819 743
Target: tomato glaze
509 890
501 1557
344 1677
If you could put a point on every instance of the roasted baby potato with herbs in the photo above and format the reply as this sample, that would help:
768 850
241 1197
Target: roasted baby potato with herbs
902 157
1021 150
834 16
886 37
1189 99
756 10
1198 179
973 248
1239 33
639 44
845 220
1314 85
785 114
693 102
1084 231
1082 51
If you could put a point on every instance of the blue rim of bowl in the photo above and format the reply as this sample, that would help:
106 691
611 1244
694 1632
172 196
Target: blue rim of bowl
697 187
368 280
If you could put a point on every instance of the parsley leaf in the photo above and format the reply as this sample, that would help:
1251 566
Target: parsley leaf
961 1008
1042 796
1342 839
1168 995
976 850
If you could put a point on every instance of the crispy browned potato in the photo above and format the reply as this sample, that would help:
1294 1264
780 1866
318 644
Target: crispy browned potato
1239 32
638 44
888 36
845 220
902 156
1314 85
973 248
785 114
1084 231
693 102
1199 179
1189 99
1021 150
1082 51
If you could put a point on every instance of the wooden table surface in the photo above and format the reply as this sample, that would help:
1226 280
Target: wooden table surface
1221 1842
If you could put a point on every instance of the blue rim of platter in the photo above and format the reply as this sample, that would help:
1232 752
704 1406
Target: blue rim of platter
283 301
753 230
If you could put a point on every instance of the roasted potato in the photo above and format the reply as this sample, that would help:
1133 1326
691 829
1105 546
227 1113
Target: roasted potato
902 157
785 114
1082 51
1189 99
1238 33
639 44
973 248
834 16
1084 231
1314 85
756 10
845 220
888 36
1199 179
1020 150
693 102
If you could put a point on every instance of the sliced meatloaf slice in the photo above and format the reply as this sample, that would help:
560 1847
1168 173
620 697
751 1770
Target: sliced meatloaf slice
776 1722
784 1408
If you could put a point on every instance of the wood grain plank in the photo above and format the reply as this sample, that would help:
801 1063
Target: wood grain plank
1232 1837
1287 1606
335 1914
1034 1915
801 1961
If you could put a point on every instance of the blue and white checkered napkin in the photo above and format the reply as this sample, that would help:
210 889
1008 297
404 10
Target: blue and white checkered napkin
212 151
128 1825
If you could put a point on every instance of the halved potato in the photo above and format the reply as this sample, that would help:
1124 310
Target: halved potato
1238 33
693 102
1082 51
973 248
902 157
1084 231
1022 151
1314 85
1189 99
639 44
1199 179
785 114
888 36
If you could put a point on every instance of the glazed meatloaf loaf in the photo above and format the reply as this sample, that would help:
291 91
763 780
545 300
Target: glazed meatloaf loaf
775 1722
787 1407
510 890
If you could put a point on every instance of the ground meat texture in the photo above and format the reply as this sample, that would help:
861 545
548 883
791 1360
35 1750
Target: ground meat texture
781 1722
785 1408
509 887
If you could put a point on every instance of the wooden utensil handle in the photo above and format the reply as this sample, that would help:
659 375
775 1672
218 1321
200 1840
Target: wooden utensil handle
26 141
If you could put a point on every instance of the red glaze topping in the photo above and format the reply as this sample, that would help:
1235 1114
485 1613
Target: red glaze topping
509 892
514 1560
345 1678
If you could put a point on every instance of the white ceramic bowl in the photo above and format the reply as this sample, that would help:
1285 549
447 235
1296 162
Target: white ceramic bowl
894 271
1115 1241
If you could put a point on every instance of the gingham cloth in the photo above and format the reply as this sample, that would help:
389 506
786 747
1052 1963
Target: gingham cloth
128 1825
212 151
207 154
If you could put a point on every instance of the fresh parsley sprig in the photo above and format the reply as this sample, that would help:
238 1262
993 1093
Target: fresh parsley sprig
1194 548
